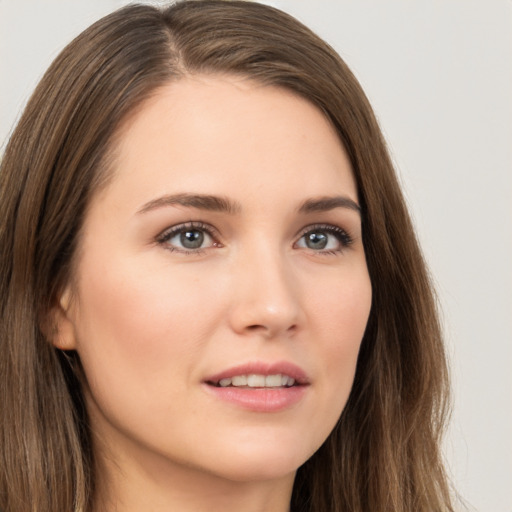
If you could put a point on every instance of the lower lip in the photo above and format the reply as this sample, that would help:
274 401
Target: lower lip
259 399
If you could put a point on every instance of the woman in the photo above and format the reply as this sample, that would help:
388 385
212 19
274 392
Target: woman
212 295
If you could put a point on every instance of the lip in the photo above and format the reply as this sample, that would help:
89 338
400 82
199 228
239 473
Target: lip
260 399
263 368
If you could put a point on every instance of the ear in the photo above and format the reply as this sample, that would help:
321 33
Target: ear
58 326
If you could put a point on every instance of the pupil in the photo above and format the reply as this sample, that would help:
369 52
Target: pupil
316 240
192 239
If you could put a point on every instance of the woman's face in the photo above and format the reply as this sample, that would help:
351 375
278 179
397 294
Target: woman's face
221 290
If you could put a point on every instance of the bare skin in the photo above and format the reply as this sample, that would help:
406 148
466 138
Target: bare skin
229 237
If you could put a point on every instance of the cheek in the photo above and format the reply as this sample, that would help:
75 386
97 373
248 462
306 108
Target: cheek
342 313
136 327
342 307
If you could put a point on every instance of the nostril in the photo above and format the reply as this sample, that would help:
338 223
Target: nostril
255 327
259 329
269 330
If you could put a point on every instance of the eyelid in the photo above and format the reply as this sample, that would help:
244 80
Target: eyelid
343 235
172 231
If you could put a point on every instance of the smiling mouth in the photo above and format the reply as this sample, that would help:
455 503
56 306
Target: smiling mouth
260 387
256 381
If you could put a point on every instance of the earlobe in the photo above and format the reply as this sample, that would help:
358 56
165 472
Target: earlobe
59 328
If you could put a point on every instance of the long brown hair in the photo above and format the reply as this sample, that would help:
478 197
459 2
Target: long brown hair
383 454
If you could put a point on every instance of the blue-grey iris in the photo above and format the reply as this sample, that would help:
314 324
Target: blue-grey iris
192 239
316 240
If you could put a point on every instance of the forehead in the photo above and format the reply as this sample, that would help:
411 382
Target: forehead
212 133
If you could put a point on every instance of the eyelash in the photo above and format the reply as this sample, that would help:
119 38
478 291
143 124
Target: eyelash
340 234
170 233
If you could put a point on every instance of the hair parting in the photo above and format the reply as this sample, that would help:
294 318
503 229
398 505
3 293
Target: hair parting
384 453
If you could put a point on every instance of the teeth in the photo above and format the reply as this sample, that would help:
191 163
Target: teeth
239 380
258 381
287 381
271 381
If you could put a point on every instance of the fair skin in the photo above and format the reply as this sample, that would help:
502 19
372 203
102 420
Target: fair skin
174 291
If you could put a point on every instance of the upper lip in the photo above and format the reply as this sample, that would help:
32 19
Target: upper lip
262 368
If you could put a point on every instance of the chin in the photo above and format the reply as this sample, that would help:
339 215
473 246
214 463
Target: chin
258 471
263 460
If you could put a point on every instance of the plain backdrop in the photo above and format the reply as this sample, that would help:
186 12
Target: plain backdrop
439 75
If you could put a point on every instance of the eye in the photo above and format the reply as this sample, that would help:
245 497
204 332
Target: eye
193 237
327 238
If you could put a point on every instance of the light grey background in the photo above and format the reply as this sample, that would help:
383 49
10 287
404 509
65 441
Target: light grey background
439 74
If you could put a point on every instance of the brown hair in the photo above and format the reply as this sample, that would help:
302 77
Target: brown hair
383 454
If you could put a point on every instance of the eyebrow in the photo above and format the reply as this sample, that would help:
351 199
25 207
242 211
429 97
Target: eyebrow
200 201
223 204
324 204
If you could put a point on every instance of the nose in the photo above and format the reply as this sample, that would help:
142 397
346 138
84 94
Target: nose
266 299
